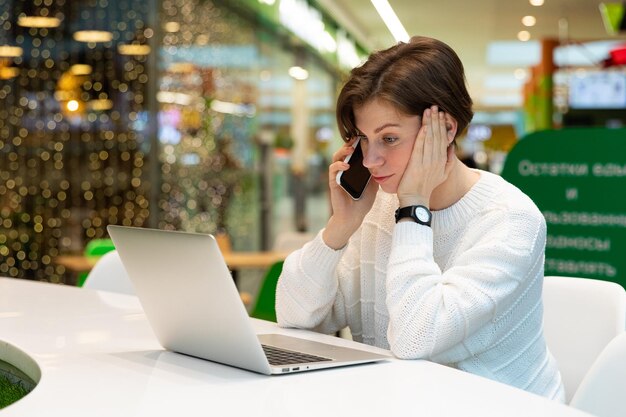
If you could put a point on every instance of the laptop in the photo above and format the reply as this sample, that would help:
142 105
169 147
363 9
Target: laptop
194 308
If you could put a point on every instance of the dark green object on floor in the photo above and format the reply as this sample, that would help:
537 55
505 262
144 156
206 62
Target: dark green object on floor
98 247
95 249
265 306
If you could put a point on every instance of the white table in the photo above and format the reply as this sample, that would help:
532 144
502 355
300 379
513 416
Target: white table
99 357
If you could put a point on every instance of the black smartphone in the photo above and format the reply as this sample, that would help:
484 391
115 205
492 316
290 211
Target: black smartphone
356 178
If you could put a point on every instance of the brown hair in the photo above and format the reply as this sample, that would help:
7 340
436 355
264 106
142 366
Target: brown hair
412 77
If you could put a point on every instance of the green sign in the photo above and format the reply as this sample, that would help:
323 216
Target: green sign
577 178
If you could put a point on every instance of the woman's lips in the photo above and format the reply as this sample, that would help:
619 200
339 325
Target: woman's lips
381 179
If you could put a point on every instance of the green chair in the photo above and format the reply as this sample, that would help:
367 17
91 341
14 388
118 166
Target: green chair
265 306
95 249
98 247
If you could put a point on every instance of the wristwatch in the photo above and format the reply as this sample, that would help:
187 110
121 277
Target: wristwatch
419 214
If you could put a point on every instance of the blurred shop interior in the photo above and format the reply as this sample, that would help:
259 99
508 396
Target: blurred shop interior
217 116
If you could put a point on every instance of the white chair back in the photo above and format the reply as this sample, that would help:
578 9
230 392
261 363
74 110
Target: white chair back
581 316
108 274
603 390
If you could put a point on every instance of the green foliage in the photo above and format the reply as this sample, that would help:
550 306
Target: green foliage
10 392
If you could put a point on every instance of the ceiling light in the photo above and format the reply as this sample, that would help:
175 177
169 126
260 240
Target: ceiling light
502 100
171 27
513 53
501 82
81 69
236 109
62 95
93 36
133 49
523 35
38 21
7 73
100 104
536 2
72 105
520 74
391 20
170 97
328 42
299 73
529 21
182 67
7 51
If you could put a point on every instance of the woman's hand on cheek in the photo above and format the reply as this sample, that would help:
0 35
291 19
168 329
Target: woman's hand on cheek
427 166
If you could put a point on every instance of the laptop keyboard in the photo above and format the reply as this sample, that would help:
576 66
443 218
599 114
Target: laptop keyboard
278 356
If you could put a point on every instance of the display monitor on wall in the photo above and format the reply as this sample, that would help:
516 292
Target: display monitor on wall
598 90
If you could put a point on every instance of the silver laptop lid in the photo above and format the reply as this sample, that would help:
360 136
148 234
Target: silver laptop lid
184 284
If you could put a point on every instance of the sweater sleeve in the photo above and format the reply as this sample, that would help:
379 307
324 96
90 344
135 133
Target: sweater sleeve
308 294
432 311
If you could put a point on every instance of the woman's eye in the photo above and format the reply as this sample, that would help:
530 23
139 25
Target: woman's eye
390 139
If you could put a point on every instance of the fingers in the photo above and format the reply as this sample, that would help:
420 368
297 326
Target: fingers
344 151
430 131
441 142
418 145
435 141
334 169
338 163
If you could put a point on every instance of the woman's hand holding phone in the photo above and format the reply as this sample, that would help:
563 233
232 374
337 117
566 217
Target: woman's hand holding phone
347 213
430 162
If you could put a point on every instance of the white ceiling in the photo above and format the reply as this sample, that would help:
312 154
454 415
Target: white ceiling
472 27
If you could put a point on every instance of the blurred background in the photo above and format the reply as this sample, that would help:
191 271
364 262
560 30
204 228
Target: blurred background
217 116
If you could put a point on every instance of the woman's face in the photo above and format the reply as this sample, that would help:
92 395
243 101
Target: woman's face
387 141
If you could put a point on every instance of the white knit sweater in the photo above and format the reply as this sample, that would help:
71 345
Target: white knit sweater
465 293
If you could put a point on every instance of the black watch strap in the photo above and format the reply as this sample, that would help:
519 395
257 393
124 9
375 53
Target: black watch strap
419 214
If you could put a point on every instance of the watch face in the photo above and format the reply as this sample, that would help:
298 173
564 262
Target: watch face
422 214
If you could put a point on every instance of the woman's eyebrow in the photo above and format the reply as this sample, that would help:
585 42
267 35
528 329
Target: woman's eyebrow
378 129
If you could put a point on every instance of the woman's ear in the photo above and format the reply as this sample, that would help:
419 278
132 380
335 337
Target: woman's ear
451 127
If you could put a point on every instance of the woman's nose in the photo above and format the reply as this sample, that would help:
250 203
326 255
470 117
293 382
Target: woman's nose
372 157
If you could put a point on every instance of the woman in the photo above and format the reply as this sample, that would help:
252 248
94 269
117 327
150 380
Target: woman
436 261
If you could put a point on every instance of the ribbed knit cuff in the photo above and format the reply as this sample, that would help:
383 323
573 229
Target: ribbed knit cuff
317 256
412 234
